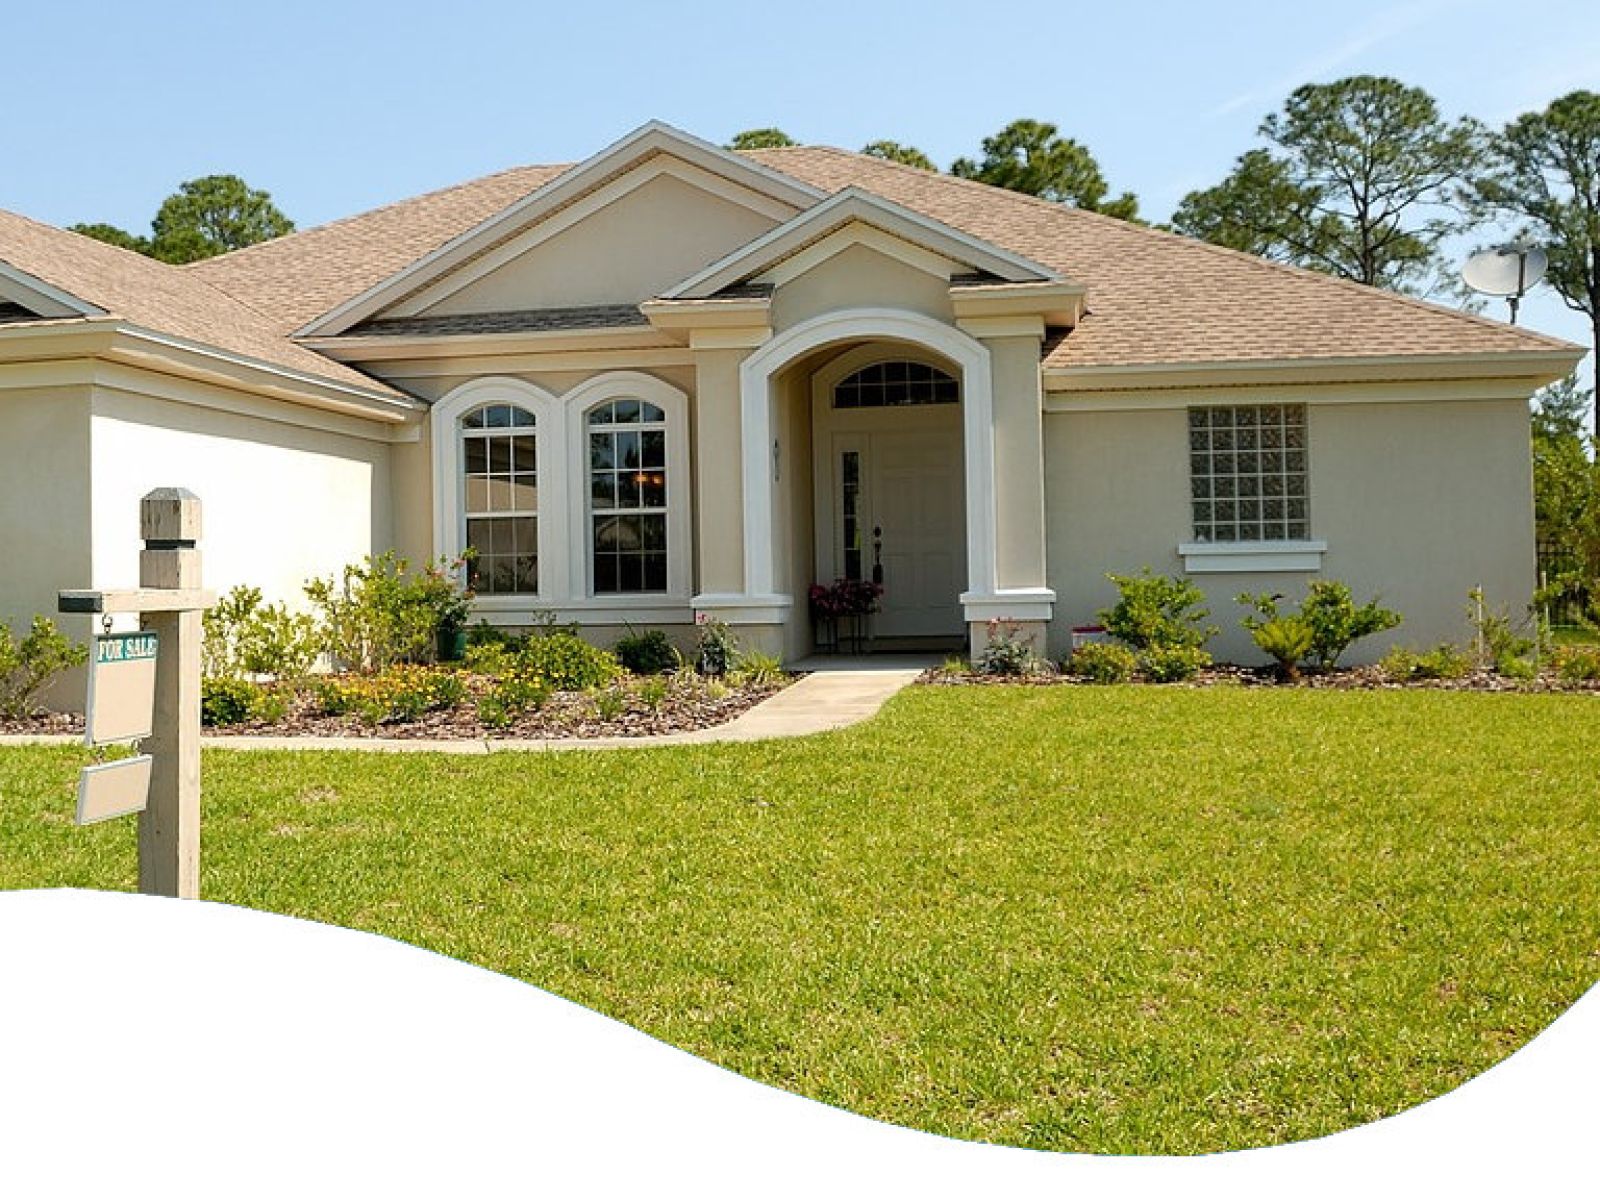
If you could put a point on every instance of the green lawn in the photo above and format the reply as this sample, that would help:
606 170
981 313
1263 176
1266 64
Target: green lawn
1119 920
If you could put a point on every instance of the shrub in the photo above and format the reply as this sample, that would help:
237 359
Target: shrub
402 693
652 692
1103 662
1578 664
1157 611
568 663
511 695
373 616
716 651
1285 638
757 670
28 666
485 634
1444 661
1006 651
1172 664
228 700
1336 622
609 703
647 653
489 658
1498 641
245 637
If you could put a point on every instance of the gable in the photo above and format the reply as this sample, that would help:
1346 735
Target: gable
26 297
861 275
627 242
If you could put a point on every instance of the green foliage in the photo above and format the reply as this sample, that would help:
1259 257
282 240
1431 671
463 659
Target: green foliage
244 637
1546 177
1007 650
647 653
213 215
768 138
716 650
401 693
1578 664
652 691
1284 637
1157 612
1103 662
490 658
1357 183
1444 661
1337 622
514 692
1172 663
230 700
753 669
1566 501
568 663
373 615
1032 157
113 236
609 703
908 156
28 665
1500 642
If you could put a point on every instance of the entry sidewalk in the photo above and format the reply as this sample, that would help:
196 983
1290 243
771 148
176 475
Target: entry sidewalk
837 692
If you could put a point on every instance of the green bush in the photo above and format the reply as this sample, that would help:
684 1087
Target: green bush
652 692
402 693
490 658
245 637
716 651
373 615
512 694
568 663
1284 637
1578 664
1172 664
756 670
647 653
1499 641
28 666
609 703
1006 651
1444 661
1155 611
1103 662
228 700
1336 622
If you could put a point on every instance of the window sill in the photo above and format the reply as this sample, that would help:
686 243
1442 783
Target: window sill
1217 558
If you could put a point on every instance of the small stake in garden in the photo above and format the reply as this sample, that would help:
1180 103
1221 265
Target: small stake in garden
163 784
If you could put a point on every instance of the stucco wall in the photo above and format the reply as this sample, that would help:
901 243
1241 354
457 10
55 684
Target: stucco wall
1418 503
281 503
860 277
44 503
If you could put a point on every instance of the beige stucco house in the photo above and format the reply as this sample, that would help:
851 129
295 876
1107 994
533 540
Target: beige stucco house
673 380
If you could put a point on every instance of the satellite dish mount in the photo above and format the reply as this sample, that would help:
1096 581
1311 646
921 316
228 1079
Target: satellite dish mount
1507 271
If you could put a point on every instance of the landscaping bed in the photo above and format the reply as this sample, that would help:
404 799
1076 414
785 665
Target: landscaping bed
1374 677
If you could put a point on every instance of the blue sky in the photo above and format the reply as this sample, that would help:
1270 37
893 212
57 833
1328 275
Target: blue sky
337 107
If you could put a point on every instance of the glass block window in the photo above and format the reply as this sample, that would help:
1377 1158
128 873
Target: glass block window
1247 473
628 496
501 502
895 385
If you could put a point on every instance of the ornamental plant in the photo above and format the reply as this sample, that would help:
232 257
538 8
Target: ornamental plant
1286 638
1336 621
27 666
1157 612
845 598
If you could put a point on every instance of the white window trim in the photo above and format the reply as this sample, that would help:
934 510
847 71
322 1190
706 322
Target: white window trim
577 404
1217 558
449 480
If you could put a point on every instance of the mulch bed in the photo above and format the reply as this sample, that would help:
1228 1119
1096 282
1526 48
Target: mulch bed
1350 679
564 715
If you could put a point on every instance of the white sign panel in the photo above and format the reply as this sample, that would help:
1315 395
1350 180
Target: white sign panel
113 789
122 688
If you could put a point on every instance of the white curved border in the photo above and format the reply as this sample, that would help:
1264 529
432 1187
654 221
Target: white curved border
449 523
867 324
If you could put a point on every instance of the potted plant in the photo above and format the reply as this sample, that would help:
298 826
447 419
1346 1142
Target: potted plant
450 602
840 610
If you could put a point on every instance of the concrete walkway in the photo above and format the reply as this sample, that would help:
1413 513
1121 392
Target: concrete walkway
837 692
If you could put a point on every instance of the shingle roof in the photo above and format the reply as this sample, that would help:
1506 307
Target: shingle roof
158 297
533 320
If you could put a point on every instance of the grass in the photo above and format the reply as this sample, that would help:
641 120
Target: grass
1117 919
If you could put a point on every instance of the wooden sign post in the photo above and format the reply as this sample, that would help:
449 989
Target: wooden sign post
169 601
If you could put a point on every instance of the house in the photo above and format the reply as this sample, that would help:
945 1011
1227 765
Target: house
674 381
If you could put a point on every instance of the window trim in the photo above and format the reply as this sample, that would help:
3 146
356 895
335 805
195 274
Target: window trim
577 405
449 479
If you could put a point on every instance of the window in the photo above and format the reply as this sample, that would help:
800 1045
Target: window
896 384
499 470
628 496
1247 473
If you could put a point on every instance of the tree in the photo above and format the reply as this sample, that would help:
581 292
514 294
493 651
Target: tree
908 156
1566 497
761 139
1359 182
1031 156
213 215
1546 175
111 235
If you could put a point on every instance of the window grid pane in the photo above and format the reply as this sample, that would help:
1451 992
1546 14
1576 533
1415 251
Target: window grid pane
896 384
499 460
628 496
1248 473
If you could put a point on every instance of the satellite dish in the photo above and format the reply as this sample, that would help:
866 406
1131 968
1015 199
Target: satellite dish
1507 271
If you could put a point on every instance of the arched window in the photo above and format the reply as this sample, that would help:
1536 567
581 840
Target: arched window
500 500
628 484
896 383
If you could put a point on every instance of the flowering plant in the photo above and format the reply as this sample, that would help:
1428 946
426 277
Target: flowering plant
845 598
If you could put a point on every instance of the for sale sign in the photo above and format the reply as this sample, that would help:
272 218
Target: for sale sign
122 688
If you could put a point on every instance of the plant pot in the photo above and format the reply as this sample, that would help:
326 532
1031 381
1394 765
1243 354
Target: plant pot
450 643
